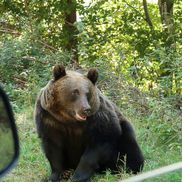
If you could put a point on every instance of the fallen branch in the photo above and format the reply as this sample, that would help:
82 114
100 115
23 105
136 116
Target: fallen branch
10 31
47 45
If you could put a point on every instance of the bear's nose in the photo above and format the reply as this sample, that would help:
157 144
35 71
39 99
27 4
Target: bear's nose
87 111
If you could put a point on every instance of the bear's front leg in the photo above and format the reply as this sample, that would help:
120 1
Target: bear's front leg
130 148
96 158
55 158
87 166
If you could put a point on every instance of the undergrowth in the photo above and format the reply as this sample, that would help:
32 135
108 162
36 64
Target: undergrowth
156 130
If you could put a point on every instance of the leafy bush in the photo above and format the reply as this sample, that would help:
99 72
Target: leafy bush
25 68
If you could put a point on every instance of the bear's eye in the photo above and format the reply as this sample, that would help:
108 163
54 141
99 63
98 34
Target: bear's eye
75 92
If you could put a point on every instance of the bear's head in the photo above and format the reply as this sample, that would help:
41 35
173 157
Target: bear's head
71 96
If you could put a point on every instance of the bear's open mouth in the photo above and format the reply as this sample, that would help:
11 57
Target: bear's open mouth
80 117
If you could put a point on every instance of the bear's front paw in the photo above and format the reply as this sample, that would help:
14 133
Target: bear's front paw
54 177
79 177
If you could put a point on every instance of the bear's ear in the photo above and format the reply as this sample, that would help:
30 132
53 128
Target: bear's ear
93 75
58 71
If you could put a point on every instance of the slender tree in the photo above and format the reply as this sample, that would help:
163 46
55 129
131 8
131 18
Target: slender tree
147 17
166 13
70 30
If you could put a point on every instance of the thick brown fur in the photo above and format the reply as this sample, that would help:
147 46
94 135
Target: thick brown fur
81 129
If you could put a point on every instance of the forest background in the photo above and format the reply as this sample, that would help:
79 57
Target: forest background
136 46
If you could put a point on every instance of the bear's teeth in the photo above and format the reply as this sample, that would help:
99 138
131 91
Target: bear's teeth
80 118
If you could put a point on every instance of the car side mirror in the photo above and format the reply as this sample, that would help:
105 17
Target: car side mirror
9 144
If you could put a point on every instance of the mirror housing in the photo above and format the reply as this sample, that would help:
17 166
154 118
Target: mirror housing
8 132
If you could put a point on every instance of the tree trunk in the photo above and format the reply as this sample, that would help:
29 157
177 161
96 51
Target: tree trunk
147 17
166 13
70 31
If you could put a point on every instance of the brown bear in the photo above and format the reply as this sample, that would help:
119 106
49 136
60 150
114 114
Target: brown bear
81 129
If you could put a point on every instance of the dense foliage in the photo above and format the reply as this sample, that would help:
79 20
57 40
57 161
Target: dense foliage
109 32
118 34
136 47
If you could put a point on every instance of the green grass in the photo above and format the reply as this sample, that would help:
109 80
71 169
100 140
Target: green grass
32 164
